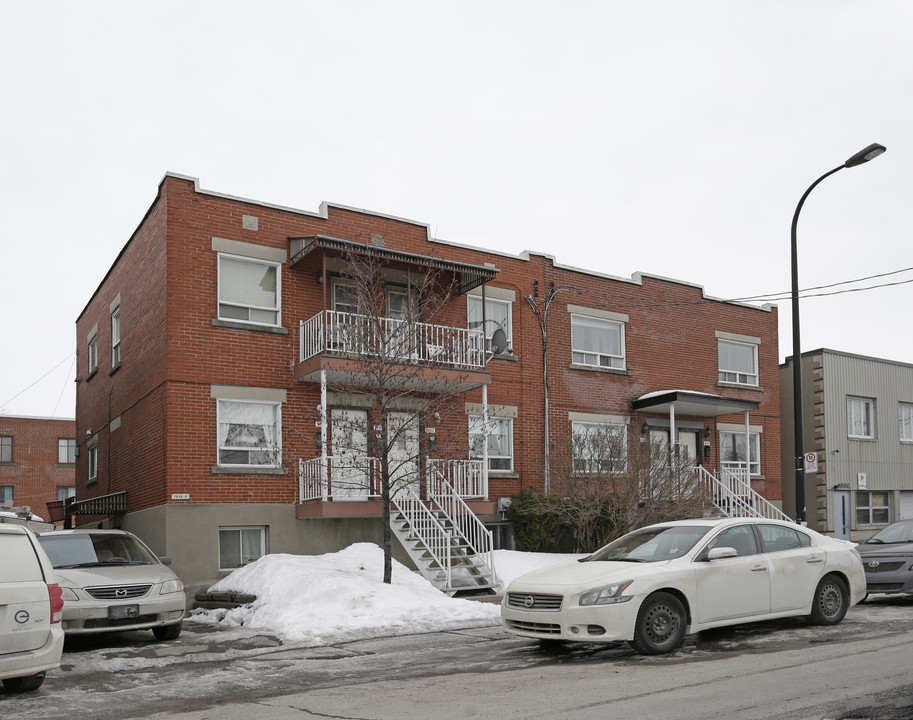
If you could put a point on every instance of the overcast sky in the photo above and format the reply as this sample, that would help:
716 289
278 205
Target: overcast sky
669 137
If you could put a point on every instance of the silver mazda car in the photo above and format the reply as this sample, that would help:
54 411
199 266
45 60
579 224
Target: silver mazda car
111 581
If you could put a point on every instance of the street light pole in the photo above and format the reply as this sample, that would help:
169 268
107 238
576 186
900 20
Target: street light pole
863 156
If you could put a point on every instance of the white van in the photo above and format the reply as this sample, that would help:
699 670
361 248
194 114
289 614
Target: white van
31 608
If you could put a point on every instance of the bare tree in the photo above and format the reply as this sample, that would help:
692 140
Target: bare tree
604 486
404 373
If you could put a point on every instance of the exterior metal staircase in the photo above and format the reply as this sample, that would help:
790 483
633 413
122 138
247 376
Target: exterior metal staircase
447 542
732 495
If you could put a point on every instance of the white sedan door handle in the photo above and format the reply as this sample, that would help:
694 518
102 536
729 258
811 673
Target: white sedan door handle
815 560
759 568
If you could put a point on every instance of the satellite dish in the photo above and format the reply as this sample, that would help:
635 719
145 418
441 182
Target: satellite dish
499 342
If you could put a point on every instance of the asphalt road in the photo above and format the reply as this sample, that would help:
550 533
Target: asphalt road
862 668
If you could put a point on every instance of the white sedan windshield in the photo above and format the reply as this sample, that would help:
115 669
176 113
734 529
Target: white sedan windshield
652 544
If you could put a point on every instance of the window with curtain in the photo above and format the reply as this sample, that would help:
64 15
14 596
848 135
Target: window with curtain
597 342
500 441
905 420
738 362
248 433
860 417
66 451
239 546
599 447
732 451
248 290
497 316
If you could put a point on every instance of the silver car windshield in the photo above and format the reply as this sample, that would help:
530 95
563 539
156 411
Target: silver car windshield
654 544
899 532
87 550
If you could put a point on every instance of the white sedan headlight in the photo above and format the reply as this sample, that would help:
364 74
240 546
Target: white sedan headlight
608 595
171 586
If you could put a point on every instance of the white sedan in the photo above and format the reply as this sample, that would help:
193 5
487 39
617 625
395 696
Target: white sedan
657 584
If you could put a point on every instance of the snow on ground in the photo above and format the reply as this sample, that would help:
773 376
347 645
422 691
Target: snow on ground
339 597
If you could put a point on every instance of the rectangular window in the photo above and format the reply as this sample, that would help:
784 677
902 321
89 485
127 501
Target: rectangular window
905 419
597 342
860 417
93 462
599 447
738 362
65 492
115 337
66 451
249 433
732 451
6 449
6 495
93 354
500 441
249 290
498 315
239 546
873 508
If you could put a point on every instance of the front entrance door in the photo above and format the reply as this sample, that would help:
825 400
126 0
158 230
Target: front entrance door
350 476
842 516
402 427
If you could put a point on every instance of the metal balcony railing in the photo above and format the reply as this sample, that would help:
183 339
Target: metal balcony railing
357 335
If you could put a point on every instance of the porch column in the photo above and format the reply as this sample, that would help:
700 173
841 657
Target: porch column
747 452
324 471
485 441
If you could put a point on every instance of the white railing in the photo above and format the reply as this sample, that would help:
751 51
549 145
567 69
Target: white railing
464 476
342 478
413 342
467 525
732 494
427 529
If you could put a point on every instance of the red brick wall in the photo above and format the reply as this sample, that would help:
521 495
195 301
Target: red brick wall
34 472
167 441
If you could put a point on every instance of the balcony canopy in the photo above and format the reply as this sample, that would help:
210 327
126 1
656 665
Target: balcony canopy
469 276
687 402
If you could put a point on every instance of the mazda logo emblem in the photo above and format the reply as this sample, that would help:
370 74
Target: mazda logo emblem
873 563
120 592
529 601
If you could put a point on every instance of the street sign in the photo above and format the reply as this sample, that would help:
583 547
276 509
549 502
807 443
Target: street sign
811 462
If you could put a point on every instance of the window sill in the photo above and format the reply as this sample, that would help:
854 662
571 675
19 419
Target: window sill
250 470
741 386
92 374
862 439
503 474
506 357
603 370
114 370
231 325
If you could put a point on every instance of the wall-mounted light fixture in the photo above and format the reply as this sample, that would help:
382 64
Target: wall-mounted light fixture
708 431
320 278
644 428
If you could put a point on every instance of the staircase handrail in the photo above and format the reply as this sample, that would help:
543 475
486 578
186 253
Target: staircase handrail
427 528
743 497
478 538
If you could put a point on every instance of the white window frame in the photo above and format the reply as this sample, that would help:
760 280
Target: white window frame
493 325
258 530
66 451
591 358
6 448
250 309
115 337
905 421
884 511
860 417
738 376
584 464
93 353
754 452
64 492
274 452
92 453
496 463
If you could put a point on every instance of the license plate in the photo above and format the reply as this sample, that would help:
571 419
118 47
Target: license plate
119 612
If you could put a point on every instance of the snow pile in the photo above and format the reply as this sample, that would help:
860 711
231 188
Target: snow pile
339 597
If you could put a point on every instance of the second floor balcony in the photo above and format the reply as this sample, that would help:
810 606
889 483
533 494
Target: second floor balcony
354 348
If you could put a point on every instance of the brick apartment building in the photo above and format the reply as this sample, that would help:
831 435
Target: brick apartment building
215 387
37 462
